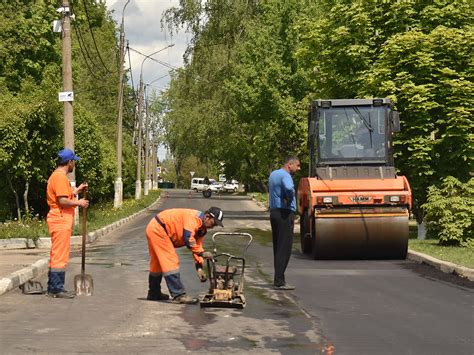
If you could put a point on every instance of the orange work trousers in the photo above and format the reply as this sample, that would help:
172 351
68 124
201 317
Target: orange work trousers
163 257
60 224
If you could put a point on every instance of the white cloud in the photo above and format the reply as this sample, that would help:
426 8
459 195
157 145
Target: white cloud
143 30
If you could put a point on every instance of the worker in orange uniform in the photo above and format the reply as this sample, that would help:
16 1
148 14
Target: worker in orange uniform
175 228
62 201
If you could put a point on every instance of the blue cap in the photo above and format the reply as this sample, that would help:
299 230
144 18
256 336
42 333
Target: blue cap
66 155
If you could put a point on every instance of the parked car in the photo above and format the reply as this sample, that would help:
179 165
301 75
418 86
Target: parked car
197 184
215 186
231 186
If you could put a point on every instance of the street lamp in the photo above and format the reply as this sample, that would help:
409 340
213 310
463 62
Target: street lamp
118 186
150 175
138 183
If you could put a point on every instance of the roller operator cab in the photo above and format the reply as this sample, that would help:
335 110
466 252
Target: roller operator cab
353 205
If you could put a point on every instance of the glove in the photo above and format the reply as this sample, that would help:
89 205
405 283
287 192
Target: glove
202 275
207 255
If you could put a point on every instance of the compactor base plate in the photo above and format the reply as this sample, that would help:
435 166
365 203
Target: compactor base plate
209 301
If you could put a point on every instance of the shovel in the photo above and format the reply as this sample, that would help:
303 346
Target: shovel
83 283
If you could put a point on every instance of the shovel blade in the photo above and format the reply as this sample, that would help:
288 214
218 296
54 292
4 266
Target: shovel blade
83 285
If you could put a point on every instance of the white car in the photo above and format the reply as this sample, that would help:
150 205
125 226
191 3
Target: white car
215 186
197 184
231 186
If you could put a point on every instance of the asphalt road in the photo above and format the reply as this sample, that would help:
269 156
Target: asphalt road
340 307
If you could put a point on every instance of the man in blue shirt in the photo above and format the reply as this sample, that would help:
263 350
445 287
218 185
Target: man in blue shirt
282 201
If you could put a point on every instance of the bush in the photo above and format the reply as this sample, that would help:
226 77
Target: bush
449 212
31 227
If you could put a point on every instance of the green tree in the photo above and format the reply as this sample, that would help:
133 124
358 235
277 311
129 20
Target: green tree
428 73
31 124
449 212
27 43
28 131
242 86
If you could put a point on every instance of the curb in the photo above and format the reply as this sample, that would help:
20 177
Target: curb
260 204
18 278
444 266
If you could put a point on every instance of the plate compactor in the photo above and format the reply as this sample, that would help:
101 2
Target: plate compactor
226 275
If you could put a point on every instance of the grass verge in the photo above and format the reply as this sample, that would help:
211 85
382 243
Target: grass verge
98 216
261 197
456 255
103 214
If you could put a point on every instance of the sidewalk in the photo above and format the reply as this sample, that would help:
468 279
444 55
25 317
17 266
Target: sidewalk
17 259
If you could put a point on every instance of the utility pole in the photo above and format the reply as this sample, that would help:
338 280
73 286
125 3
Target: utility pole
154 165
147 149
138 182
67 81
150 160
118 186
67 88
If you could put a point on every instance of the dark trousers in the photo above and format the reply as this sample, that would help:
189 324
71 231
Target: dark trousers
56 281
283 223
173 281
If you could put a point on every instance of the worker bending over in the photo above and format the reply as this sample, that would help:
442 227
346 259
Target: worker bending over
175 228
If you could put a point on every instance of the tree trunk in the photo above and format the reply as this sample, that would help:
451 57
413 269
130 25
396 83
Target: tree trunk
177 168
417 212
17 199
25 198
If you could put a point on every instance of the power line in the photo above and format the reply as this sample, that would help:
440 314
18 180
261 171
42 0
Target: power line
158 87
130 63
156 60
134 96
80 40
93 38
161 77
83 55
83 47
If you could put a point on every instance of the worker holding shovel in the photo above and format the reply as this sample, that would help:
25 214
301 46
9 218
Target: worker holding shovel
61 201
175 228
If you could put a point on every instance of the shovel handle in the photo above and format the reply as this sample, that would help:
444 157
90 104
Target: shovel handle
84 232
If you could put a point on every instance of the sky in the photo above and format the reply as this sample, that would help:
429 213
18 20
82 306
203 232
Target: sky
143 31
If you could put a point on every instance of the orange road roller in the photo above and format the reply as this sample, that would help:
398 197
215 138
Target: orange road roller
353 205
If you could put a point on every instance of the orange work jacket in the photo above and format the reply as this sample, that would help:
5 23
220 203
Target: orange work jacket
185 227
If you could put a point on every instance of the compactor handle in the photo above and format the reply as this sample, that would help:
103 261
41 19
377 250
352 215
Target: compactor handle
232 234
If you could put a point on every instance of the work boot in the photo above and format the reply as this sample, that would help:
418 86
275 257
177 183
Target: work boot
154 288
62 294
157 296
184 299
284 287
